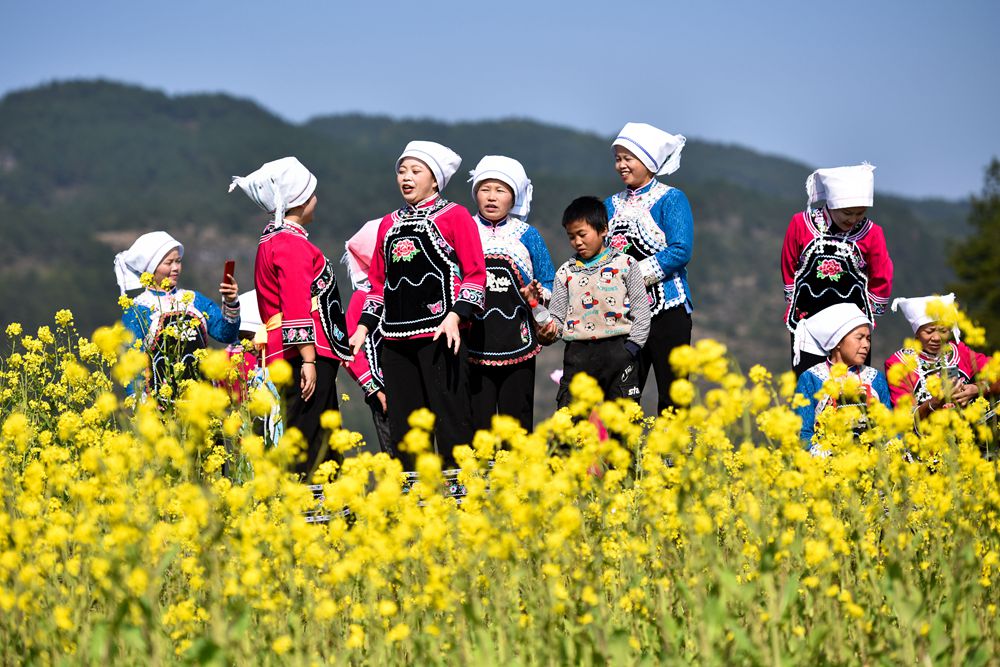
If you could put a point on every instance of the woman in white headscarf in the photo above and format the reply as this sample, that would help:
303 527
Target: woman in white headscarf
652 222
427 279
503 340
839 334
193 316
835 254
298 300
941 354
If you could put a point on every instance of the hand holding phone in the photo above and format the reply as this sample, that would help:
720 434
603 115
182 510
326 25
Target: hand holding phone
228 288
229 274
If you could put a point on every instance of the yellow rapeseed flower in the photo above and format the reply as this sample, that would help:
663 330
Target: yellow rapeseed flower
280 372
282 644
682 392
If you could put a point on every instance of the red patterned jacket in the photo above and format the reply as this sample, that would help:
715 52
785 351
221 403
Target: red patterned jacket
294 280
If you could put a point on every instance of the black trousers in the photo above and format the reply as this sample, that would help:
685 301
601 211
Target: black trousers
606 360
669 329
381 421
505 390
421 373
304 415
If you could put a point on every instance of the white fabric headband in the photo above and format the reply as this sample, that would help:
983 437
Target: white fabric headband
278 186
441 160
822 332
659 151
143 257
915 310
842 187
511 172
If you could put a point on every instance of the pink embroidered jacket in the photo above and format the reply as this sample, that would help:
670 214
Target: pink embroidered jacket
870 257
428 261
958 360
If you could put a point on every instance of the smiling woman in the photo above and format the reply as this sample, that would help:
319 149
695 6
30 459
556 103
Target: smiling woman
835 254
944 371
843 335
427 278
169 323
652 222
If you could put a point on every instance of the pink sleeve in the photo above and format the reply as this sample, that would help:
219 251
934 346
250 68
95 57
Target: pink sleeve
293 265
358 369
460 230
903 388
879 270
791 250
371 311
974 361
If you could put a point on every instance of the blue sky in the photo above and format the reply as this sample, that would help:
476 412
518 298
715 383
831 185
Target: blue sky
909 86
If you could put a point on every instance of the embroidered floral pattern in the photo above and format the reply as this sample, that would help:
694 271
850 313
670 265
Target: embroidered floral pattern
619 242
473 296
404 250
294 335
830 268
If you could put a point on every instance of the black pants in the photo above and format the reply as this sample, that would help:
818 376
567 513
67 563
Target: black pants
381 421
669 329
304 415
607 361
505 390
421 373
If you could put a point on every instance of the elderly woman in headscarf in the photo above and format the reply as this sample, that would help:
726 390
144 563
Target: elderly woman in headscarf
427 279
652 222
835 254
503 341
171 323
840 334
941 354
298 300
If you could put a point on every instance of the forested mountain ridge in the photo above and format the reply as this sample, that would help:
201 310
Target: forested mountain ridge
86 166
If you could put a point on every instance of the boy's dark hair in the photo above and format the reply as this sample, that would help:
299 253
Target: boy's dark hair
589 209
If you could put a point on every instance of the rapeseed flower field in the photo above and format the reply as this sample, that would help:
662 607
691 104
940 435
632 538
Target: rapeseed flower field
141 534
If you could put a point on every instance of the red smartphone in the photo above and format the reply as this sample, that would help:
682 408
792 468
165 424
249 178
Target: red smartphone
230 270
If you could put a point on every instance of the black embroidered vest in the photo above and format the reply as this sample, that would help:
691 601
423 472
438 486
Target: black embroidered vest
505 333
168 349
831 271
331 311
421 272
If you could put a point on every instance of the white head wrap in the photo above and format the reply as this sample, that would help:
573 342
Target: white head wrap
660 151
915 310
143 257
441 160
823 331
359 251
278 186
249 312
510 172
842 187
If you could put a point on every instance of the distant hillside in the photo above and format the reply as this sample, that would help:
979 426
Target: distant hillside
87 166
